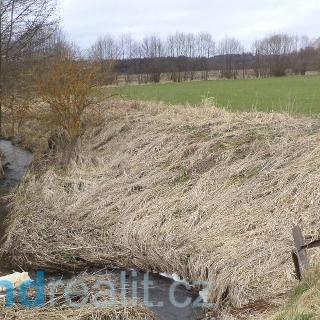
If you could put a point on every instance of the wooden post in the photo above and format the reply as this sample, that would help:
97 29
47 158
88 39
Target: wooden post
299 254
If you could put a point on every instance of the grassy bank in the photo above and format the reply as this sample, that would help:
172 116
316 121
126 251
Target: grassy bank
288 94
303 302
201 192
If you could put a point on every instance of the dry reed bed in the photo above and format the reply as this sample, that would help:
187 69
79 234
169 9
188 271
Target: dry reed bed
200 192
87 313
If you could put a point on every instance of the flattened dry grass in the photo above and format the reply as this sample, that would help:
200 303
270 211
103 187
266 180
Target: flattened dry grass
201 192
85 313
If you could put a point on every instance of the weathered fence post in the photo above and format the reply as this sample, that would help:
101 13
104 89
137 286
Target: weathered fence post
299 254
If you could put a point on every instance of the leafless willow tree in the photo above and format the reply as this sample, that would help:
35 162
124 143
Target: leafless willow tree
273 54
153 49
300 55
228 48
105 51
185 47
206 49
177 47
316 48
106 48
25 25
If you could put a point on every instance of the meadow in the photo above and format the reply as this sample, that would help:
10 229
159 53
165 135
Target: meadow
293 94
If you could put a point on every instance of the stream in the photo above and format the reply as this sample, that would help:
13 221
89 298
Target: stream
17 162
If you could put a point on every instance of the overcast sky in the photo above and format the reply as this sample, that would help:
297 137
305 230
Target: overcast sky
85 20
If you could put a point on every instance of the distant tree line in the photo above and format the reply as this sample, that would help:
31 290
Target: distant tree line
183 54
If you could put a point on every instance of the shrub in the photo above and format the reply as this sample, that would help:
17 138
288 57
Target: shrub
65 87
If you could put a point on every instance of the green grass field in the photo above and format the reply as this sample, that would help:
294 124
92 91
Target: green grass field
294 94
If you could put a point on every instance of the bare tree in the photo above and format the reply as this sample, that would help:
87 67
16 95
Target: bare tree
261 64
153 49
275 51
206 45
206 49
228 48
106 48
300 56
106 51
65 86
177 49
24 26
191 54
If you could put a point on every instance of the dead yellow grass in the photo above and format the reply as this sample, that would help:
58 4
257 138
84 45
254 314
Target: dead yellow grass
200 192
83 313
87 313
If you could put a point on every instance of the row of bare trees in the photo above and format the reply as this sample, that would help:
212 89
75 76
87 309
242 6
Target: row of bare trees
277 53
178 44
145 56
182 54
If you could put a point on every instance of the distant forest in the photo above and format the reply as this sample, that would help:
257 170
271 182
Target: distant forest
181 55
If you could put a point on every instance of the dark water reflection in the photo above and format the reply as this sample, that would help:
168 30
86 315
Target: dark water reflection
17 162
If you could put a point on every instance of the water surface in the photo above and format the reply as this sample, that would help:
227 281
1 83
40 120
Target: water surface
16 162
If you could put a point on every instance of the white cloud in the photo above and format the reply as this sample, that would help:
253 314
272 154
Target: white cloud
247 20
